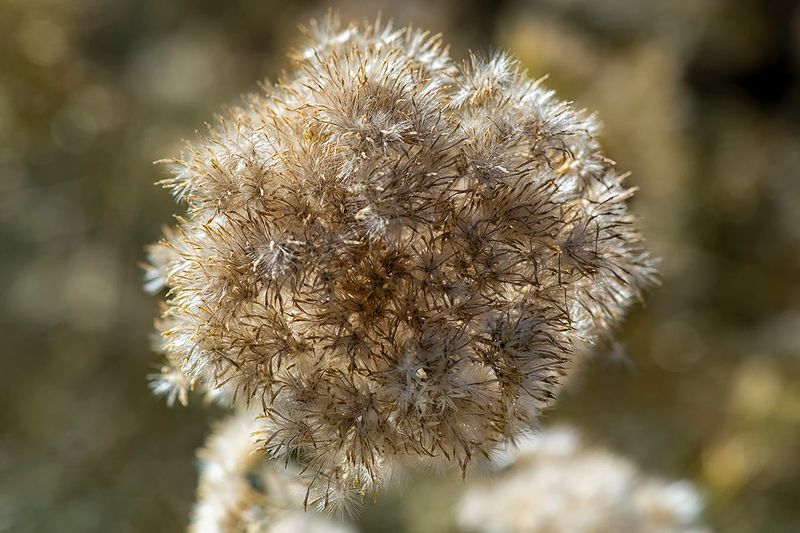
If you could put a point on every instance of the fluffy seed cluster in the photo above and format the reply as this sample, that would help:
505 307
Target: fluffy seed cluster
240 492
553 482
392 255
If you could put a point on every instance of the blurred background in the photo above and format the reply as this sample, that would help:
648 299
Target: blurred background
701 102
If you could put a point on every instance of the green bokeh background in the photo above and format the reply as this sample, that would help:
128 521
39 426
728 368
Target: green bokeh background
701 102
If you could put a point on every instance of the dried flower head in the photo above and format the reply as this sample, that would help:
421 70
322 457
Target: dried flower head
553 482
391 255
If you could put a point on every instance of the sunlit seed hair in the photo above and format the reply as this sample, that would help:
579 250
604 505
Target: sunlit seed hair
393 256
241 491
554 482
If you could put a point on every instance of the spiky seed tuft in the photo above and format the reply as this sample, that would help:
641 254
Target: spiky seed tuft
394 257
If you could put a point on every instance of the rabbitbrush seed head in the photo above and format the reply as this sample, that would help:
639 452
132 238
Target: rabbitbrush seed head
393 256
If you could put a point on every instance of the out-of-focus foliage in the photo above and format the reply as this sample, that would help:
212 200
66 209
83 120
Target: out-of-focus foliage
700 99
